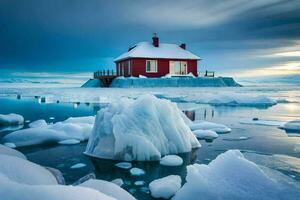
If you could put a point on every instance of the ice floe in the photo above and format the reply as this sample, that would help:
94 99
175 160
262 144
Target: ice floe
137 171
11 119
11 152
38 123
205 125
166 187
108 188
139 183
78 165
143 129
292 126
124 165
232 176
205 134
74 128
171 160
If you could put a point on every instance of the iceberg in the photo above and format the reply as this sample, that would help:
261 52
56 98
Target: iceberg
165 187
144 129
232 176
61 132
206 134
11 119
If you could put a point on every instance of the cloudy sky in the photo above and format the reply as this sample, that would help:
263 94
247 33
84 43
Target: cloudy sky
239 37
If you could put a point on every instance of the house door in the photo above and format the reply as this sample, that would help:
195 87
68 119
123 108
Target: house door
178 67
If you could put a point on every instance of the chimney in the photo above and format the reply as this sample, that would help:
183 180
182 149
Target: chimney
183 46
155 40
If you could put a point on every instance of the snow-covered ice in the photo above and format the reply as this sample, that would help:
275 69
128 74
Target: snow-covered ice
78 165
137 171
292 126
166 187
205 125
232 176
143 129
171 160
108 188
11 119
124 165
11 152
73 128
38 124
23 171
206 134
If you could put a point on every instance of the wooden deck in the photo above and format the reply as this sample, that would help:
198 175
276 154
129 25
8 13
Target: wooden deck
105 76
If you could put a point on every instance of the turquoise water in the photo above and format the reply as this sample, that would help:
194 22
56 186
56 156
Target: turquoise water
258 143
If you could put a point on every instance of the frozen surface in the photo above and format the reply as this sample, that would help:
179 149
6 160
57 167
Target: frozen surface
205 134
11 119
171 160
231 176
165 187
205 125
143 129
137 171
22 171
108 188
38 123
72 128
11 152
292 126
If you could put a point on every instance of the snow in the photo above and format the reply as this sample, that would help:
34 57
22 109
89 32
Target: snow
38 123
73 128
11 190
232 176
78 165
141 76
171 160
143 129
206 134
11 119
292 126
165 187
147 50
11 152
124 165
118 181
22 171
108 188
205 125
137 171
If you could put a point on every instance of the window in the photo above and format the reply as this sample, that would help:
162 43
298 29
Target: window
151 66
178 67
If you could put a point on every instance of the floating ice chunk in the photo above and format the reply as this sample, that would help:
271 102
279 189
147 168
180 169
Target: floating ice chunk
165 187
206 134
53 133
11 119
204 125
124 165
137 171
171 160
69 141
78 165
23 171
118 181
108 188
38 123
11 152
233 177
139 183
12 190
264 122
292 126
142 129
237 139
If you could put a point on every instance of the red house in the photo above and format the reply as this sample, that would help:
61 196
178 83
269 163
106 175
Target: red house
156 60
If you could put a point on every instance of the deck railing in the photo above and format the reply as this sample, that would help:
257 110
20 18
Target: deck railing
104 72
207 73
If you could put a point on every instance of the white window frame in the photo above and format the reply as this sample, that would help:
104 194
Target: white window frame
156 67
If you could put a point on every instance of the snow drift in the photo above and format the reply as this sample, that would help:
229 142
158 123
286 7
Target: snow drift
144 129
231 176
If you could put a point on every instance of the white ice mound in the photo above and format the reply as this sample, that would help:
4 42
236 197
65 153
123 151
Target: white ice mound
11 119
171 160
143 129
25 172
204 125
108 188
292 126
232 176
11 152
73 128
165 187
205 134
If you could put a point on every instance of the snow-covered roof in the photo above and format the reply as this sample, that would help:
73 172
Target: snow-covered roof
147 50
